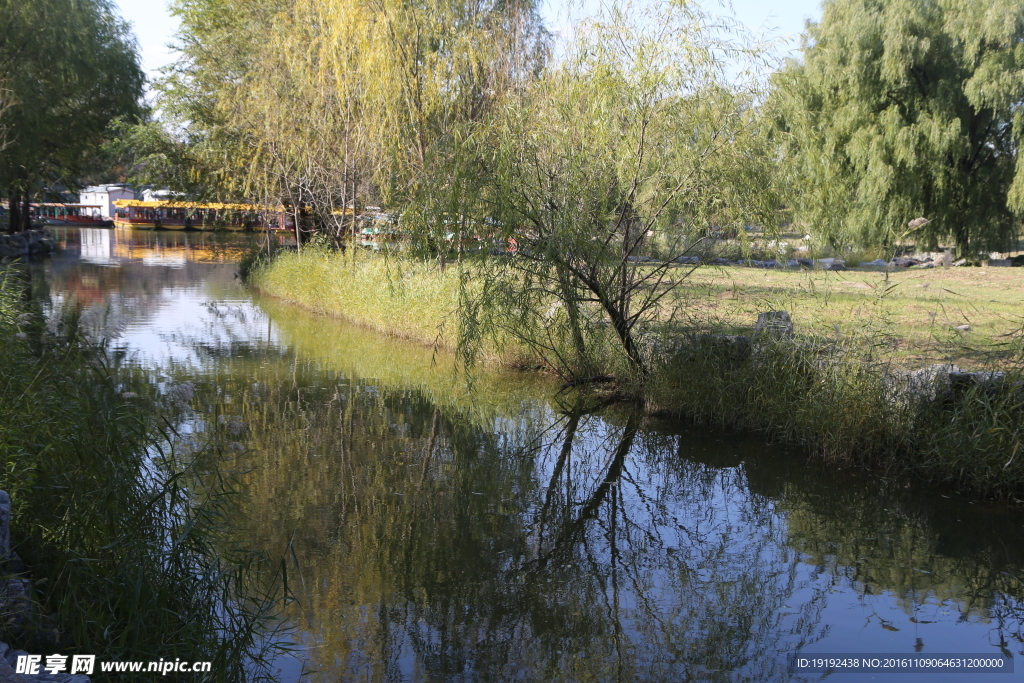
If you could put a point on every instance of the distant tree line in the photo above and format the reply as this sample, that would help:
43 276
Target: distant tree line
895 109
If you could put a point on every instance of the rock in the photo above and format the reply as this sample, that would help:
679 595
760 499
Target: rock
775 324
832 263
793 263
904 262
881 263
926 264
918 223
10 661
719 261
689 260
961 383
908 388
806 262
963 328
181 394
961 262
734 347
1000 263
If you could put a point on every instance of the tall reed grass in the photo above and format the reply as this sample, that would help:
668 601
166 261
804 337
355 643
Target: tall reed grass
127 540
853 410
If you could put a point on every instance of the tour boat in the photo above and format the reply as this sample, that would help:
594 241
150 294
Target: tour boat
83 215
170 215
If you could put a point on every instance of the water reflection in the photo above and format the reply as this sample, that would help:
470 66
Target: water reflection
437 534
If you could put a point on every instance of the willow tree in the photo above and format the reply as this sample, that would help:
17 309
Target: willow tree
907 108
67 69
343 101
606 172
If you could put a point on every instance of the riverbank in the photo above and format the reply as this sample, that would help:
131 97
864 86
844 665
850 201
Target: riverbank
853 396
120 530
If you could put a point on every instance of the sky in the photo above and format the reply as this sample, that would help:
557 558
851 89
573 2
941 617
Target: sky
155 27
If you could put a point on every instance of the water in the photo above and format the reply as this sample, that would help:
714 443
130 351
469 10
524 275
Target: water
433 533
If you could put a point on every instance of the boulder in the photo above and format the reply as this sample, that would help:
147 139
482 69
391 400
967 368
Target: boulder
832 263
5 525
904 262
775 324
9 660
911 387
881 263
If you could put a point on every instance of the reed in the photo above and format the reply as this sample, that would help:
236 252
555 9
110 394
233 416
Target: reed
127 538
845 406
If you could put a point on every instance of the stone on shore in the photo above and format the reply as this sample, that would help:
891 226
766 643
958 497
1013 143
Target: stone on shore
775 324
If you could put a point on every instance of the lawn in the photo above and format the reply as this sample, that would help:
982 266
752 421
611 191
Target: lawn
911 314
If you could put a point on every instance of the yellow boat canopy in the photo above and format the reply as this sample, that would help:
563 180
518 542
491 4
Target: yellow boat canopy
128 203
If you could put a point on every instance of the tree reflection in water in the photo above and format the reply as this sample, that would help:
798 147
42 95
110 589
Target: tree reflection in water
432 547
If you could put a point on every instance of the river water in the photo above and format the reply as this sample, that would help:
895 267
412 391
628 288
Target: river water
434 531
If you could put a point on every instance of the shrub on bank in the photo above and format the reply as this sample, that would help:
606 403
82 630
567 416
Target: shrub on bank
402 297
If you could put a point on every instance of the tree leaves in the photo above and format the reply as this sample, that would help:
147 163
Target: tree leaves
69 67
902 108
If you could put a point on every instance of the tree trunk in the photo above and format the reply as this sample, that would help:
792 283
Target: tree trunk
26 211
14 211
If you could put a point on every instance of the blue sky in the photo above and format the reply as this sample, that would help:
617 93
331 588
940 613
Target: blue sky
155 27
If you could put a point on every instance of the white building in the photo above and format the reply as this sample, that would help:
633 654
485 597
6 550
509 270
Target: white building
104 196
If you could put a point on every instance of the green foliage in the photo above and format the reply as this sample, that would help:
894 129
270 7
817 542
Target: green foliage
328 104
147 153
907 108
126 535
68 68
632 146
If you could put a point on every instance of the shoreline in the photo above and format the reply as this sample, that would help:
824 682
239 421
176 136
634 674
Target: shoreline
940 423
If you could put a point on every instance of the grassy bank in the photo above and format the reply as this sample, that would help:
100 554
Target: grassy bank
402 297
838 388
124 536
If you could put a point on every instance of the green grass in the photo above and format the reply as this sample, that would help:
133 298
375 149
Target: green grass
127 537
915 313
399 296
834 401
